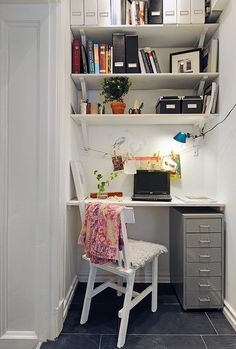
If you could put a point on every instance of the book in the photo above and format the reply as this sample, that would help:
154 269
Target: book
141 63
150 56
90 57
145 61
96 58
210 57
102 59
76 56
156 61
210 98
84 60
141 13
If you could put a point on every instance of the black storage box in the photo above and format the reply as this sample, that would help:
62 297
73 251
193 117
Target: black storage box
192 104
169 105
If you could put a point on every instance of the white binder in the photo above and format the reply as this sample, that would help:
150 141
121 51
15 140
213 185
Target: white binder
197 11
169 12
104 12
76 12
183 11
90 12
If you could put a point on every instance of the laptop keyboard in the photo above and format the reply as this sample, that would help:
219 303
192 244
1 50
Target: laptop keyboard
152 197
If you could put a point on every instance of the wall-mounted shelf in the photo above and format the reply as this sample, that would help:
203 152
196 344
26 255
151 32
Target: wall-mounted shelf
144 119
148 81
159 35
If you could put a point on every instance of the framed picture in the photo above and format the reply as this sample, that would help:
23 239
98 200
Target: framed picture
186 61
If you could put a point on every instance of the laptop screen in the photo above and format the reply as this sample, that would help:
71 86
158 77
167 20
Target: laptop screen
152 182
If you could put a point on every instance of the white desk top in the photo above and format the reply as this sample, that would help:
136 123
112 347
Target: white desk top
126 201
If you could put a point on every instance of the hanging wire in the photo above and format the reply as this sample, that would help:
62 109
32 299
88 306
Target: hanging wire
203 133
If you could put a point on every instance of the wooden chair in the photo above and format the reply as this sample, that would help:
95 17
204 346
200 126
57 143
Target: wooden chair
124 269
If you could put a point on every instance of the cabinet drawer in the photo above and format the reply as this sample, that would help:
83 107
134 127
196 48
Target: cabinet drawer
203 269
203 240
204 299
203 254
203 225
203 284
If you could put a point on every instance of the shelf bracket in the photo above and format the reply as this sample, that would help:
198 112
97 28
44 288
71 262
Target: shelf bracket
201 86
83 37
202 38
84 134
83 89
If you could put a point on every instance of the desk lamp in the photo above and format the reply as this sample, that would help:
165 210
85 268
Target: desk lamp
182 136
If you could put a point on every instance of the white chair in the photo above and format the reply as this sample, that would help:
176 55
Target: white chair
135 254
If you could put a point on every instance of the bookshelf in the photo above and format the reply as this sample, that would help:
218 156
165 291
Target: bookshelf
159 35
148 81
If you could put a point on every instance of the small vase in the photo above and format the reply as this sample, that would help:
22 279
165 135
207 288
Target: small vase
118 107
102 195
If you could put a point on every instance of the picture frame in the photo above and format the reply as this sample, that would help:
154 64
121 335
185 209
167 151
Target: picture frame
186 61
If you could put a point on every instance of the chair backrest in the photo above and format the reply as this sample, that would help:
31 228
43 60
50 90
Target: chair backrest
127 217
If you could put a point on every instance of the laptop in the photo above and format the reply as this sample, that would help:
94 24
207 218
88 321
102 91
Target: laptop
151 186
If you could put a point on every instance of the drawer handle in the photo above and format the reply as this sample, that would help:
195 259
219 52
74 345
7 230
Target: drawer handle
204 270
204 256
204 226
205 241
204 285
205 299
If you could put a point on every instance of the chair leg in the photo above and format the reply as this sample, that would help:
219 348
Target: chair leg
88 298
120 283
154 283
126 310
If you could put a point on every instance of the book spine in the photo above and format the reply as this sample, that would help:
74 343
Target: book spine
137 19
102 59
148 62
84 60
157 65
96 58
141 13
76 57
145 12
141 63
152 62
90 57
107 58
145 61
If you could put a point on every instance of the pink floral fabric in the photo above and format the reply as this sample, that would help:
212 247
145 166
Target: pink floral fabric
101 233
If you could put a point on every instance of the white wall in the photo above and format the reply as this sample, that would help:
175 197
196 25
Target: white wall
226 151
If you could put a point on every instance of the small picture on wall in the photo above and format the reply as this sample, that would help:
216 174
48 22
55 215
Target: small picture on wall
186 61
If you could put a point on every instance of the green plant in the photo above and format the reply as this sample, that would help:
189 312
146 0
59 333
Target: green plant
102 183
114 89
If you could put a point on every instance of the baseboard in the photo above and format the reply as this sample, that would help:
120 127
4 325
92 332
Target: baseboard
20 335
39 345
139 278
18 343
230 314
69 296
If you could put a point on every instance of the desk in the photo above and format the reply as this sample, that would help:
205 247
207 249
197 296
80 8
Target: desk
198 282
126 201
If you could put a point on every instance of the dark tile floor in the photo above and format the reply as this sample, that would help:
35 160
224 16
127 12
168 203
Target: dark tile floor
169 328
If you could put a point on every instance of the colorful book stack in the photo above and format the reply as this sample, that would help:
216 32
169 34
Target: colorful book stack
94 59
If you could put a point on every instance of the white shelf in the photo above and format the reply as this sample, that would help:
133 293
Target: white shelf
148 81
157 35
143 119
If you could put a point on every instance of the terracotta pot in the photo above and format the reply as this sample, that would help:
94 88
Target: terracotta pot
118 107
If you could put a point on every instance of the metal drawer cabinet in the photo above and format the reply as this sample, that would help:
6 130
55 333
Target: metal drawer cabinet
197 257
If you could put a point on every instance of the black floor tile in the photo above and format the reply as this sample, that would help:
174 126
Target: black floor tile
103 318
220 342
220 323
155 342
168 319
73 342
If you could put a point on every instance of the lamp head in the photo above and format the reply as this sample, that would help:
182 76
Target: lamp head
181 137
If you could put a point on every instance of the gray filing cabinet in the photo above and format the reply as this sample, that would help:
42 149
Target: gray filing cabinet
197 256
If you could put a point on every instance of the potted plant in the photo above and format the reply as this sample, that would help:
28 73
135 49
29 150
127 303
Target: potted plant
114 89
103 183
